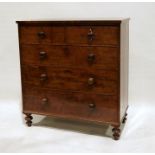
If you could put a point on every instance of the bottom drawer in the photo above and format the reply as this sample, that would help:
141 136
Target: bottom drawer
92 107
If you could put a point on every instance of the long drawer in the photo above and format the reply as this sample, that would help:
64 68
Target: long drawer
78 56
104 35
97 81
94 107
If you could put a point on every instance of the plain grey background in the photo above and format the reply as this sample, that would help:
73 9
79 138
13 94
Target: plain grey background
139 132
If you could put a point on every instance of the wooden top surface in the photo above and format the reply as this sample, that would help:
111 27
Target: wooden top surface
111 21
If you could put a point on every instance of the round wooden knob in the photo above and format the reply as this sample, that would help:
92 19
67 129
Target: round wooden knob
42 55
41 34
43 77
44 101
91 57
92 105
90 35
91 81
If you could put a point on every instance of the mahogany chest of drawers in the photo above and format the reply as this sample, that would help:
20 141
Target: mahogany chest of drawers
75 70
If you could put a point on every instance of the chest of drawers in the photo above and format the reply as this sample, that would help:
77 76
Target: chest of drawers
75 70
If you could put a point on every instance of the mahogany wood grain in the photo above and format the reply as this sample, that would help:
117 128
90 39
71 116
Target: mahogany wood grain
29 34
67 56
70 104
71 79
102 35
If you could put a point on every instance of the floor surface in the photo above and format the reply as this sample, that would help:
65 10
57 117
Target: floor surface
54 135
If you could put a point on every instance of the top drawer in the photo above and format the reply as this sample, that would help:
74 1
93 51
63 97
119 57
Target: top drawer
86 35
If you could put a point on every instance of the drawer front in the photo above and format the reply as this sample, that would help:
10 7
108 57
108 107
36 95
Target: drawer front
103 57
73 105
97 81
96 35
41 34
99 35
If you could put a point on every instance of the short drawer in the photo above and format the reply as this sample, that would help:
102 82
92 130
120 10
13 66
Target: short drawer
92 107
98 35
41 34
65 56
97 81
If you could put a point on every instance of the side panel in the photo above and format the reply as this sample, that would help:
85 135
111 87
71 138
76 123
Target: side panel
124 57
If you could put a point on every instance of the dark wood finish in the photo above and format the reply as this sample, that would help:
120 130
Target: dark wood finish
116 132
71 56
74 70
98 35
72 23
42 35
97 81
28 119
94 107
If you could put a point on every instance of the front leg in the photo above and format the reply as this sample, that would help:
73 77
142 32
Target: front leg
116 132
28 119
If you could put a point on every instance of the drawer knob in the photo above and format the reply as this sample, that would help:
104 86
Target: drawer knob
42 55
41 34
91 81
92 105
44 101
43 77
90 35
91 57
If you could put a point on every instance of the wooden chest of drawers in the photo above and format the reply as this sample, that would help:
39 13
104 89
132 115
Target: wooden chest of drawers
75 70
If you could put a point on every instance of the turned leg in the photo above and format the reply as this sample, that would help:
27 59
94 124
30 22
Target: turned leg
116 132
28 119
125 118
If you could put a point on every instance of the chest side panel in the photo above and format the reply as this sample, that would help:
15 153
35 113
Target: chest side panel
124 66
